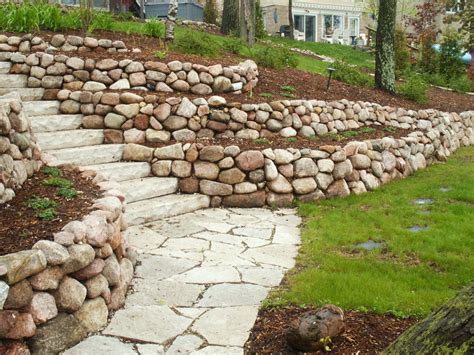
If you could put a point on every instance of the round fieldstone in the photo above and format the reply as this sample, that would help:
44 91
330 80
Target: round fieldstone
250 160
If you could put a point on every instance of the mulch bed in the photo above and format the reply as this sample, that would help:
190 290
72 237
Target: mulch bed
307 85
294 142
20 228
365 333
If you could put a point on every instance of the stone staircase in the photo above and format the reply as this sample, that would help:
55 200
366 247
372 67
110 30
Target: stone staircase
148 198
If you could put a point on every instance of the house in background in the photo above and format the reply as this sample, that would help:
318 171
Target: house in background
335 21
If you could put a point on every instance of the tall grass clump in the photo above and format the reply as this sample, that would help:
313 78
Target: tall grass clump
272 57
18 18
198 43
155 28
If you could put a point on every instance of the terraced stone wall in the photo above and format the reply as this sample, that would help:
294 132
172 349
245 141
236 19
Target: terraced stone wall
132 118
49 65
19 155
54 294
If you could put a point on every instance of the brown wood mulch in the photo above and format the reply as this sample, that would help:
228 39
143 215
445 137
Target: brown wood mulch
307 85
277 141
365 333
20 228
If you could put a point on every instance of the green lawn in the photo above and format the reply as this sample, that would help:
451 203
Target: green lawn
415 272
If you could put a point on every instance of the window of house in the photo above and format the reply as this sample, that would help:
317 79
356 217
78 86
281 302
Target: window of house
299 23
332 25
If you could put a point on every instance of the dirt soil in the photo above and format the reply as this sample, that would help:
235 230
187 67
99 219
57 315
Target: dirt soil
307 85
365 333
294 142
20 228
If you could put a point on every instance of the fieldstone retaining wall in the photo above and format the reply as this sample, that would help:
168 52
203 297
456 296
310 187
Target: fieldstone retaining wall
48 70
54 294
253 178
132 118
19 155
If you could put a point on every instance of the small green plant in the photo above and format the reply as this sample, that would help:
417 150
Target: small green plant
287 94
367 130
262 141
390 129
288 88
292 139
351 75
155 28
47 214
276 58
198 43
101 21
66 192
233 45
161 54
326 344
350 134
57 181
41 203
415 88
265 94
51 171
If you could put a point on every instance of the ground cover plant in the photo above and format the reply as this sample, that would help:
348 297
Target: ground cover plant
45 203
413 271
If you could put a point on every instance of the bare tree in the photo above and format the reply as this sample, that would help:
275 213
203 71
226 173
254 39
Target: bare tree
385 46
171 20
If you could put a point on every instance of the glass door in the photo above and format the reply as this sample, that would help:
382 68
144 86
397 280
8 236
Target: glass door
310 28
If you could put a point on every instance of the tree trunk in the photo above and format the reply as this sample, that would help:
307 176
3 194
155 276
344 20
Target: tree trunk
171 20
290 19
385 46
448 330
247 21
230 17
142 9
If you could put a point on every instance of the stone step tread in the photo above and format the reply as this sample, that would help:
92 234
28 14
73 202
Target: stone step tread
26 94
89 155
162 207
5 67
122 171
41 108
13 81
149 187
69 139
53 123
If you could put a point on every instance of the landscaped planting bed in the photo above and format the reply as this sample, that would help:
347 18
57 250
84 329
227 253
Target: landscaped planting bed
46 202
366 333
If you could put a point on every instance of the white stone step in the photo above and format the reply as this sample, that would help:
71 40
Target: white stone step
69 139
41 108
52 123
122 171
90 155
149 187
27 94
13 81
5 67
165 206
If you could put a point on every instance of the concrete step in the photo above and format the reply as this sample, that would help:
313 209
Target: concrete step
52 123
27 94
12 81
5 67
90 155
122 171
165 206
41 108
69 139
149 187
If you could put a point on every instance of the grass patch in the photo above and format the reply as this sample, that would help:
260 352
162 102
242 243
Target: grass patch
414 272
262 141
57 181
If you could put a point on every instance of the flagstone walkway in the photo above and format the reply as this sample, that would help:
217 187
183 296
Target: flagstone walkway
199 282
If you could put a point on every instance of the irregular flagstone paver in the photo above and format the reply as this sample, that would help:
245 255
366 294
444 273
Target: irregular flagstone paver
155 324
226 326
101 345
199 281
